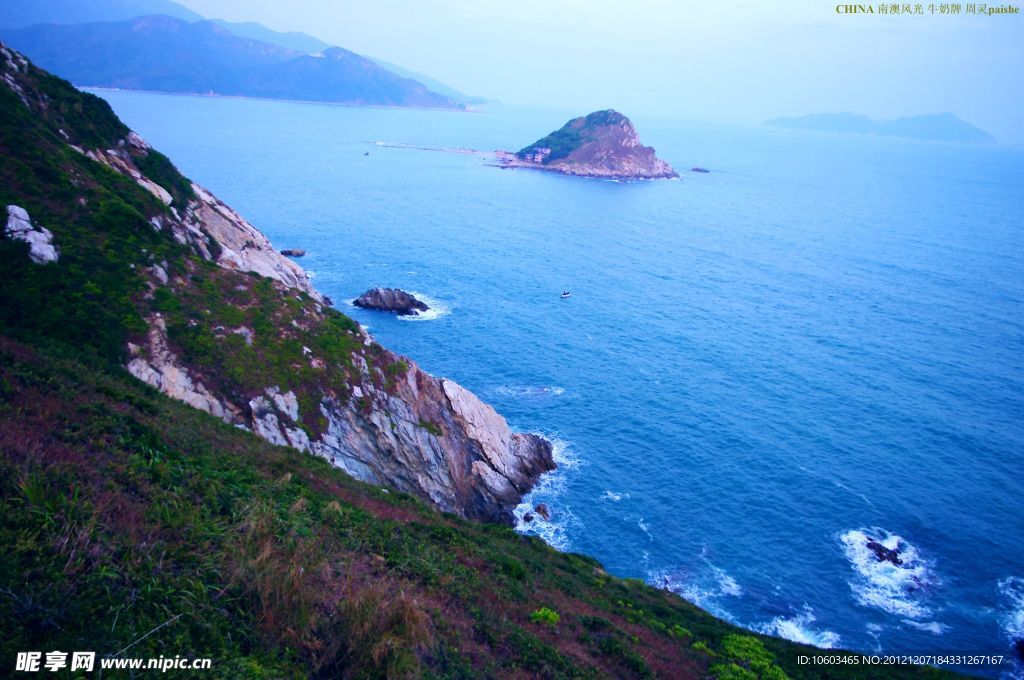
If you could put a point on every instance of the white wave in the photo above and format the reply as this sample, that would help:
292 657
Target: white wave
727 584
436 311
894 588
549 488
612 496
798 628
707 589
643 527
1012 591
933 627
528 392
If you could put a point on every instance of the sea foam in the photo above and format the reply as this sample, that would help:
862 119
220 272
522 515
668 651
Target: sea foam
799 628
896 589
549 488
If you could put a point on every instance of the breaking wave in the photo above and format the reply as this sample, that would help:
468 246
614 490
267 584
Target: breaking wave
555 530
799 628
436 311
706 589
526 391
896 588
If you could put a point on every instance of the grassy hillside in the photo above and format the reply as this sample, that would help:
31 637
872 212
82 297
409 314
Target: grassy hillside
122 510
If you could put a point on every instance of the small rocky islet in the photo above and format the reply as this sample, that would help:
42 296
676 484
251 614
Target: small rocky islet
603 144
393 300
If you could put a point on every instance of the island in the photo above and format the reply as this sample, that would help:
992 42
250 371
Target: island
602 144
938 127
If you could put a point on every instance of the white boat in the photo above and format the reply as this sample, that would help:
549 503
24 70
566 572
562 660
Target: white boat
565 294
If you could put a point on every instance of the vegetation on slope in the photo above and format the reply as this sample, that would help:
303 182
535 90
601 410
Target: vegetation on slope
121 509
572 135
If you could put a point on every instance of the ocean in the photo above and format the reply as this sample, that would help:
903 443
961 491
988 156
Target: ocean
818 343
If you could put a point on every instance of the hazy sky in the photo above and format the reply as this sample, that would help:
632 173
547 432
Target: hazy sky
711 60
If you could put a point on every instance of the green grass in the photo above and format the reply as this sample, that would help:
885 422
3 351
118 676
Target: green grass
121 508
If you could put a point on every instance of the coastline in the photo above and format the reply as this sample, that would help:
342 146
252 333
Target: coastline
99 88
507 160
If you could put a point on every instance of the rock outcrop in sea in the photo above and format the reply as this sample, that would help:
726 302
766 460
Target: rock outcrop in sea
603 144
391 300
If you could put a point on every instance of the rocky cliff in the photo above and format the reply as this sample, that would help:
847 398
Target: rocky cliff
208 312
602 144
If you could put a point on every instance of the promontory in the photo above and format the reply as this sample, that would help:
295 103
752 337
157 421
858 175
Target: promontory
602 144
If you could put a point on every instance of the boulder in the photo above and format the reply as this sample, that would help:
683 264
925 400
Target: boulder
391 300
39 239
699 170
543 511
293 252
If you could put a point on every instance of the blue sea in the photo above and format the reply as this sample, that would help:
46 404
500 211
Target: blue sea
819 343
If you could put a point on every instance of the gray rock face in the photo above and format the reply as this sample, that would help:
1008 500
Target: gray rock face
428 436
40 240
391 300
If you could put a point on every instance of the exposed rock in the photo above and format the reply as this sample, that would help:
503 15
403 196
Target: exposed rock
699 170
528 517
241 246
293 252
467 462
542 510
391 300
891 555
39 239
158 366
602 144
1018 647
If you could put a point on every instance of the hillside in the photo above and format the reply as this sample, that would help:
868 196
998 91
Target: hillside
601 144
168 54
942 127
182 527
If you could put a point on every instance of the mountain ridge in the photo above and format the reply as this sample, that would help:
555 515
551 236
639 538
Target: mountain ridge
166 54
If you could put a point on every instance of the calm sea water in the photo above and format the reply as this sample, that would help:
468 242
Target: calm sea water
820 341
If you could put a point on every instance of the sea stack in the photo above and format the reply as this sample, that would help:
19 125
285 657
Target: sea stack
391 300
603 144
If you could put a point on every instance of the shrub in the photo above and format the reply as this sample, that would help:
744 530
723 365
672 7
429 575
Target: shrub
545 615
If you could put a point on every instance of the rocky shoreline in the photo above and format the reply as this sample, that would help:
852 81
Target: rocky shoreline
343 397
412 431
509 160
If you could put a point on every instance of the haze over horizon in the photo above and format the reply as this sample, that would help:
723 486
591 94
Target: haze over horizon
726 62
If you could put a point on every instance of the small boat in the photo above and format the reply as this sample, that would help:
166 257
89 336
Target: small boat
565 294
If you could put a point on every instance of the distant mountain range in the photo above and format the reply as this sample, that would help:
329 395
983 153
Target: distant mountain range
942 127
161 45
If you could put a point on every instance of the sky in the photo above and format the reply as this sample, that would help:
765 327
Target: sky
715 60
